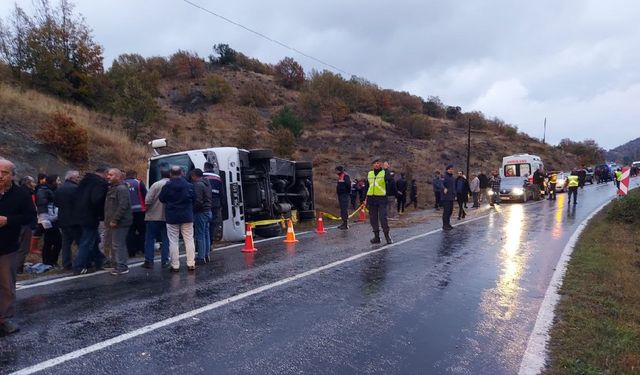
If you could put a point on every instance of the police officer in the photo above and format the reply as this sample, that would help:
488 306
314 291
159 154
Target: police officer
217 197
377 181
343 190
553 181
573 182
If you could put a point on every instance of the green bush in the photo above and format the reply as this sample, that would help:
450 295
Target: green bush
216 88
626 209
310 105
285 118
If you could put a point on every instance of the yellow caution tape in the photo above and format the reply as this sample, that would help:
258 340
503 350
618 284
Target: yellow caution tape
266 222
333 217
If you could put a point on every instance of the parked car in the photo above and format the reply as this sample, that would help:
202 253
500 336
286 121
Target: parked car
561 181
589 176
517 189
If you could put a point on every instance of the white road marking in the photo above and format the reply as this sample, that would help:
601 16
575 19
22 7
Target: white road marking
21 286
535 355
190 314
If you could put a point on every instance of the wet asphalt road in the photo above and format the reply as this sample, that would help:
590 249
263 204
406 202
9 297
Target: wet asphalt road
459 302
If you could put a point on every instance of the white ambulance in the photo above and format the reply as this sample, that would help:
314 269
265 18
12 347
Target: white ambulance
517 177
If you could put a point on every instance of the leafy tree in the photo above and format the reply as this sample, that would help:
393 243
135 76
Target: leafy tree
187 64
285 118
289 73
433 107
225 55
55 49
453 112
66 137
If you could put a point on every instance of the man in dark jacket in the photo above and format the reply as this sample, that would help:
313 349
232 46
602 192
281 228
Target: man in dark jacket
436 182
16 210
343 190
178 196
413 194
392 191
447 197
462 194
401 195
65 199
218 201
484 186
89 211
201 215
117 220
27 184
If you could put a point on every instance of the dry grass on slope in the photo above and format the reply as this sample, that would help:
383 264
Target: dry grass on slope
27 110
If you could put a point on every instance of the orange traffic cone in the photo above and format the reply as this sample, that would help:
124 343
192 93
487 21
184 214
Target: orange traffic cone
291 236
320 226
362 217
248 241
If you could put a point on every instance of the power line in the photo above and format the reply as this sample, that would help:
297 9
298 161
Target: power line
267 38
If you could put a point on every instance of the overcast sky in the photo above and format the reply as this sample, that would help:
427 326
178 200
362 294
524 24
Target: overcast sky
575 62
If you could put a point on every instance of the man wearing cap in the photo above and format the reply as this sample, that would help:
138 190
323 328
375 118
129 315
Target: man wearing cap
377 181
343 189
447 197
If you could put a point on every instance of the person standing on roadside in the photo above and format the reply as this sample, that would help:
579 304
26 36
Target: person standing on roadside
553 182
353 193
137 194
573 182
474 187
16 210
27 185
89 211
156 225
462 194
377 202
48 220
178 196
401 186
495 182
447 198
217 197
392 191
117 220
343 190
201 216
436 182
70 227
484 186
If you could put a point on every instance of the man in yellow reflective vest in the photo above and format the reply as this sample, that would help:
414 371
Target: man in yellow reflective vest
573 182
377 182
553 181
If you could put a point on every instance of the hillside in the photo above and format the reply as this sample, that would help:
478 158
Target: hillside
350 142
625 153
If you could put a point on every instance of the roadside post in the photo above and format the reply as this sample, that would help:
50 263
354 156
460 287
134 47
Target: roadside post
624 182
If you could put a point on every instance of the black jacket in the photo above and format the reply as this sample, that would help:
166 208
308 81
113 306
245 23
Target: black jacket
392 189
484 181
44 197
401 185
18 207
65 200
343 186
90 197
449 183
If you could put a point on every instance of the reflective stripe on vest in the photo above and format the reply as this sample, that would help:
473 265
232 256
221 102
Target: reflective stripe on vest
377 184
573 181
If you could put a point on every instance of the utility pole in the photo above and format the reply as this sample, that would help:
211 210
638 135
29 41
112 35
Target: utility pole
544 133
468 147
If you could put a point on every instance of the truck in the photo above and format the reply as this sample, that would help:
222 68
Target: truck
517 177
257 186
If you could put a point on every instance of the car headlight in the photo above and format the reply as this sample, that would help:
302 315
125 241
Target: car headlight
517 191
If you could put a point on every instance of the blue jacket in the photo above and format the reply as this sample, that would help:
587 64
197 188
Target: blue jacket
178 197
437 184
450 184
